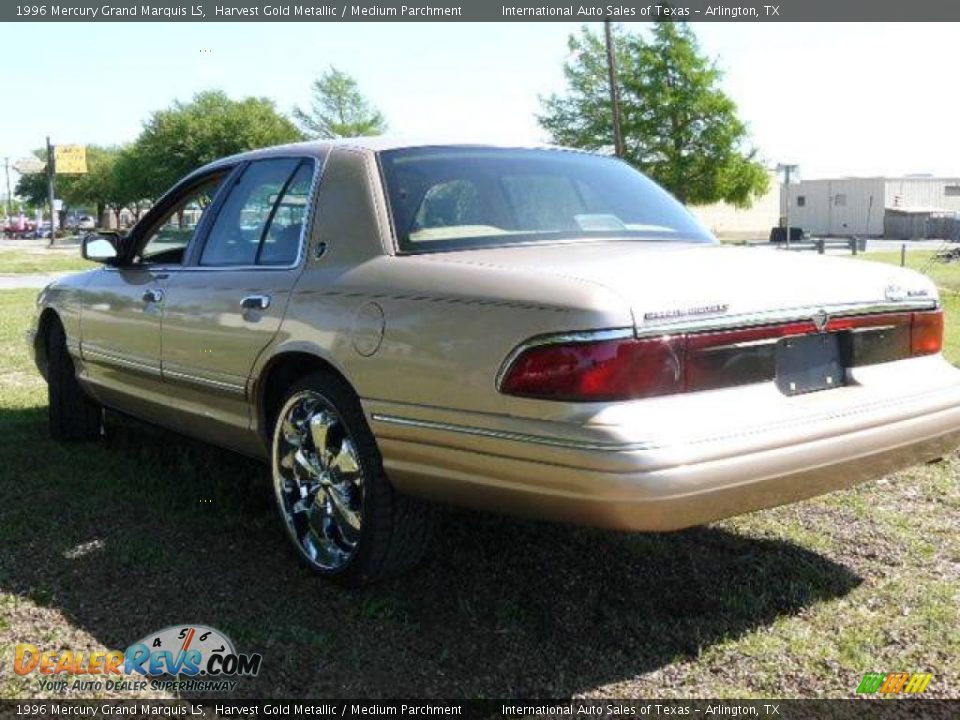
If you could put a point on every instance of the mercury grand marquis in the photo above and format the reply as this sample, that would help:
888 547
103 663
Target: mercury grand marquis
537 331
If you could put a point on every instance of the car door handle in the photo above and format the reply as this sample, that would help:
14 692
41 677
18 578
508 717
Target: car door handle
153 296
255 302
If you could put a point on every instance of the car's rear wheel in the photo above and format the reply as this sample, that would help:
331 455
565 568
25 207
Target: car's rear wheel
74 415
339 509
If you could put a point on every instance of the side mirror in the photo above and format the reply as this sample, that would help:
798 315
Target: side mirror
99 248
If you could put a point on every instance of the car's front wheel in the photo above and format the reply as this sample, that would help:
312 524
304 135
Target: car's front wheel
73 415
339 509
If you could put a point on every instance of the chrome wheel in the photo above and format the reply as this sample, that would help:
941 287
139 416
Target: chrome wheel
318 481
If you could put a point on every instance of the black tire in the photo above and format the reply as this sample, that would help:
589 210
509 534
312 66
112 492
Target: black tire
395 529
74 416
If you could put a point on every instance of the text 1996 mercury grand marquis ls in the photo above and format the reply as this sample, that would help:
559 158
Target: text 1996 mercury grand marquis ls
539 331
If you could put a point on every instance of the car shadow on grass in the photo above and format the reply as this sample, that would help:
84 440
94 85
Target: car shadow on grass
148 529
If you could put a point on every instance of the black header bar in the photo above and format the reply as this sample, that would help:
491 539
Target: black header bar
479 11
592 709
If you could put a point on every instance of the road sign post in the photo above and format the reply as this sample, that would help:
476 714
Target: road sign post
6 168
51 171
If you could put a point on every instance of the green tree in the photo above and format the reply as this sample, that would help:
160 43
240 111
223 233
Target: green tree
338 109
678 126
185 136
129 186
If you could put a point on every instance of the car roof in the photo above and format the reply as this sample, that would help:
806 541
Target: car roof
375 144
380 143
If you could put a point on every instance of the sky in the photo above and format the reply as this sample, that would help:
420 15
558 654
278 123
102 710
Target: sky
837 99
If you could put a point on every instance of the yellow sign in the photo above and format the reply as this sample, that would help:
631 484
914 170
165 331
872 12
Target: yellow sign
70 158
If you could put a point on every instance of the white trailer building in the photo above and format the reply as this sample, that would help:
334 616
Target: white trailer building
856 206
752 223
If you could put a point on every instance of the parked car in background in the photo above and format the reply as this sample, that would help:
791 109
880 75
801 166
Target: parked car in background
778 234
80 222
19 227
529 330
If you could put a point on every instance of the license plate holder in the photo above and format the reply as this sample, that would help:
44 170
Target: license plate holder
809 363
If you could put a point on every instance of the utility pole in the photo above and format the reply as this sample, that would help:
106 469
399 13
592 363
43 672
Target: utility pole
787 171
51 171
786 183
614 89
6 167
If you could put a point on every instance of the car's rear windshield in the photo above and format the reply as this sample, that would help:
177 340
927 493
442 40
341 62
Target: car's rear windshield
451 198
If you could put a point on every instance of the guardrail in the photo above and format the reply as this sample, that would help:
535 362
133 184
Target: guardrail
854 244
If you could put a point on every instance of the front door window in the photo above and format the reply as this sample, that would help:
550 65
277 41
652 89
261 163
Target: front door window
168 240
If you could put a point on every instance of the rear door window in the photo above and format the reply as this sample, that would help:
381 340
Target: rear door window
268 192
281 243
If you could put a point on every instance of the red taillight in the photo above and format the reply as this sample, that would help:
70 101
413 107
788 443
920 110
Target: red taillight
620 369
926 333
631 368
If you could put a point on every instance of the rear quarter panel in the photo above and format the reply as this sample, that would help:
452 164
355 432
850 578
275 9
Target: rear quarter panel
443 339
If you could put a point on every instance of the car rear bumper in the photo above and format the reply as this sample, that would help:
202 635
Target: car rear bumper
703 465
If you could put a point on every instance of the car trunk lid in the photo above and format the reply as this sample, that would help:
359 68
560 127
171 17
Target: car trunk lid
666 282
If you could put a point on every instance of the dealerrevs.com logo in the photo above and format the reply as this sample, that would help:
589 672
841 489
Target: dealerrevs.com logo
186 658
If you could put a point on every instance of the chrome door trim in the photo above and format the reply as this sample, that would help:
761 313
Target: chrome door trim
100 357
205 383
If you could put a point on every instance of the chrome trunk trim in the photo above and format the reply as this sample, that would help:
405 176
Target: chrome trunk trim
709 324
773 317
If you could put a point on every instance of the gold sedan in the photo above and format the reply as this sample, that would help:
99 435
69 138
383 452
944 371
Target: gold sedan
529 330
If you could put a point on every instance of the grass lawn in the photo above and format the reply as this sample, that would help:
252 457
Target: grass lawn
106 542
42 261
947 278
946 275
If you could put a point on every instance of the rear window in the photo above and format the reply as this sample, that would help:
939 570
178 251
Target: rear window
450 198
